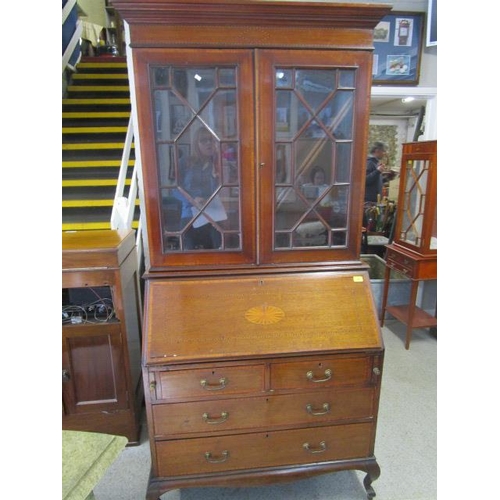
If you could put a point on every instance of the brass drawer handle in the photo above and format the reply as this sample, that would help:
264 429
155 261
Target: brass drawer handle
311 411
223 417
328 376
221 385
223 458
321 449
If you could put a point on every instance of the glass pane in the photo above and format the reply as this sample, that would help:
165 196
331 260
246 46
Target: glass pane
198 145
433 240
171 115
227 77
338 114
414 201
315 86
220 114
195 85
284 78
346 79
313 155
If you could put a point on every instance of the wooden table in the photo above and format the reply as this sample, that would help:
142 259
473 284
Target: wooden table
415 267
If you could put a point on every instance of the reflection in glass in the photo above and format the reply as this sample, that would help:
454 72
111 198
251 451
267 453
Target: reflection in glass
414 201
313 146
197 144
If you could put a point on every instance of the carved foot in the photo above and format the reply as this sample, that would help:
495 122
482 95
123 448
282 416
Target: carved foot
373 472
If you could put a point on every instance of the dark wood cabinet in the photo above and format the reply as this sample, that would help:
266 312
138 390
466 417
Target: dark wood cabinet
102 388
252 130
414 250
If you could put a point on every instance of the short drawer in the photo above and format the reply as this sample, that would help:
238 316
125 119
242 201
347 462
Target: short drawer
320 373
400 263
226 415
209 382
263 449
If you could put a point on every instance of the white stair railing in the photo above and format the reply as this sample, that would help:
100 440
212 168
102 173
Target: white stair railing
122 214
75 39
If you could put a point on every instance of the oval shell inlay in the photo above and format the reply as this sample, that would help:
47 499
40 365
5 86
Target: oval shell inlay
264 315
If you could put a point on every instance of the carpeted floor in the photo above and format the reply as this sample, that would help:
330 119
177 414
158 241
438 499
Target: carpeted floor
406 444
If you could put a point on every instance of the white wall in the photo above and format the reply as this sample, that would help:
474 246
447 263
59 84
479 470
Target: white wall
95 11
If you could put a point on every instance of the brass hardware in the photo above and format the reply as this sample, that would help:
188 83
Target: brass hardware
311 411
66 376
223 417
224 457
328 376
262 164
222 384
377 371
152 386
321 449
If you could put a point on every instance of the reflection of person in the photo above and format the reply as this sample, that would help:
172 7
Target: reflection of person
200 179
317 185
376 172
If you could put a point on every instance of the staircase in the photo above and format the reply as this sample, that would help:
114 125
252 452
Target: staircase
95 117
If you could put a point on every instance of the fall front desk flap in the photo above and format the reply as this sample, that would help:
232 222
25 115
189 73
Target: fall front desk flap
189 320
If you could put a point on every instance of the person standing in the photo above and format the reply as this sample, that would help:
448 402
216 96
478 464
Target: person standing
375 170
200 179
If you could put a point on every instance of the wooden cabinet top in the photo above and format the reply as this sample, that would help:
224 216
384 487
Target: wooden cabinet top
262 12
100 248
194 320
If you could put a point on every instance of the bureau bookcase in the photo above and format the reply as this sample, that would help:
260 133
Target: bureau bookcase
262 352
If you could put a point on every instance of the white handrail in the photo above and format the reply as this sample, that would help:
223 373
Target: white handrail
122 214
123 207
75 39
68 7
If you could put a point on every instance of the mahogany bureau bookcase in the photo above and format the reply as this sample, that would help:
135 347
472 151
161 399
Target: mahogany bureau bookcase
262 352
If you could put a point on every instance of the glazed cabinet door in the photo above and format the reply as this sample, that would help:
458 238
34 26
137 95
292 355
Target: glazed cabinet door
196 117
312 110
416 225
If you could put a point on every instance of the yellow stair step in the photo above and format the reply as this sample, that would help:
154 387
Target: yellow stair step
83 226
95 163
93 130
87 65
95 145
100 76
92 182
96 114
90 203
98 88
118 100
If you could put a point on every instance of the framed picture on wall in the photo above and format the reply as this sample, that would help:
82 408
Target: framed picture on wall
398 49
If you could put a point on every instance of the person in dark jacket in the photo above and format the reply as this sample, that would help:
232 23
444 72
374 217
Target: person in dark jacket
375 172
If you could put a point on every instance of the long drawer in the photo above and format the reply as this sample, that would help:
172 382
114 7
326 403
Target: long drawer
219 415
265 449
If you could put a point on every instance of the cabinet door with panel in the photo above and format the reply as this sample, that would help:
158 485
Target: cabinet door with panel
93 369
